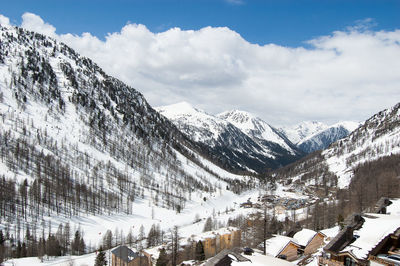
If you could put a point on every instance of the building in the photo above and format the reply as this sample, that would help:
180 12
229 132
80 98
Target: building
364 237
309 240
225 257
213 243
282 247
124 256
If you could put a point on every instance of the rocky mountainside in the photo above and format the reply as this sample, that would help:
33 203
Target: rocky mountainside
301 131
312 136
75 140
322 139
376 138
243 142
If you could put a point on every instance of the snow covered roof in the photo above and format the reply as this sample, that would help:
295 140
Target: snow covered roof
125 253
213 234
394 208
276 244
259 259
375 228
304 236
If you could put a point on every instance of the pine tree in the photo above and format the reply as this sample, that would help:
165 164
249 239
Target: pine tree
162 258
208 225
100 258
199 253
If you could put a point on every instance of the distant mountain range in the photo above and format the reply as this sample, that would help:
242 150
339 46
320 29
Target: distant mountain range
243 141
377 137
246 142
312 136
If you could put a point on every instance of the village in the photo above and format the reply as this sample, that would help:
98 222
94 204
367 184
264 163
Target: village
370 238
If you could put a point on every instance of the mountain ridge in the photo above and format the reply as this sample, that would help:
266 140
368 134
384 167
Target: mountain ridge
243 148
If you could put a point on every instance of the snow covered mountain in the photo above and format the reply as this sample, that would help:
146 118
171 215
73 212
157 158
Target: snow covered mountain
322 139
312 136
75 141
376 138
302 130
242 141
257 128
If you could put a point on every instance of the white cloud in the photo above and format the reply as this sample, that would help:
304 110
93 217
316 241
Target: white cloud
33 22
4 21
348 75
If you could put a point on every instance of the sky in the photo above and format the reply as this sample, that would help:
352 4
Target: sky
285 61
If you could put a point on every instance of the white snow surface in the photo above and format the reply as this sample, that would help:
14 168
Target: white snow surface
372 232
302 130
348 125
254 127
259 259
277 243
394 208
369 147
304 236
183 114
84 260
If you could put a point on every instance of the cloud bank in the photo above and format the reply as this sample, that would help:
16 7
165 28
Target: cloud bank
347 75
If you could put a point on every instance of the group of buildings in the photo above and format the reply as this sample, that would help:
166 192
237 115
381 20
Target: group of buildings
212 242
367 239
371 238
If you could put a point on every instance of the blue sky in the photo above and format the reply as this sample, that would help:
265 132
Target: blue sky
284 61
283 22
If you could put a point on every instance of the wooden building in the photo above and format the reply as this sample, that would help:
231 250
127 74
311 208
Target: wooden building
213 243
225 257
282 247
124 256
309 240
363 239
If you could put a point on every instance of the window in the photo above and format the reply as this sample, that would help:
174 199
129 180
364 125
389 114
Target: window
349 262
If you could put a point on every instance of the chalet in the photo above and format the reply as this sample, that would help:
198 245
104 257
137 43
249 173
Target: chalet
381 205
279 209
124 256
213 243
247 204
364 237
225 257
282 247
309 240
216 241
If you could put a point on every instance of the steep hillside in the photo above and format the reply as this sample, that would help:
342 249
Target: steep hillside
322 139
301 131
378 137
75 141
254 146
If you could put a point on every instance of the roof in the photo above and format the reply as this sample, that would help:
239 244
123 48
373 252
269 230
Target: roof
345 237
276 244
259 259
213 234
124 253
375 228
304 236
382 203
233 256
394 208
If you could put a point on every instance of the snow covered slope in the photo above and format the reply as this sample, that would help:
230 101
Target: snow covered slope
303 130
377 137
257 128
322 139
312 136
243 142
80 142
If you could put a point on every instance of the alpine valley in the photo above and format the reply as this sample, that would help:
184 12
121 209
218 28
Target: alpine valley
81 152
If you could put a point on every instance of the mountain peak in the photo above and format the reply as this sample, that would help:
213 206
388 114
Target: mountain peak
178 109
